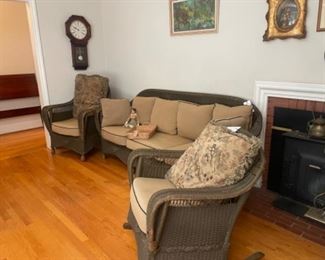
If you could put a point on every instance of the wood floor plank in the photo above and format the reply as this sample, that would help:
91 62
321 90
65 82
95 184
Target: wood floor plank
57 207
66 221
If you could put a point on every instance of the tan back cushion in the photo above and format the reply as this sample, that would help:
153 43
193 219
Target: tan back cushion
115 111
232 121
192 118
164 115
225 112
88 92
144 106
217 158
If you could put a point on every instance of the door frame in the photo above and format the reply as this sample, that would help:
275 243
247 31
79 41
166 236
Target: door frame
38 55
35 36
37 51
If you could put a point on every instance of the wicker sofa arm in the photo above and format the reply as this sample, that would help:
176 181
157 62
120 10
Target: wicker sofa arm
56 112
150 163
257 122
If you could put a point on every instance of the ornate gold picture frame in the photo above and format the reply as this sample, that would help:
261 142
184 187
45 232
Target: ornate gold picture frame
286 19
321 16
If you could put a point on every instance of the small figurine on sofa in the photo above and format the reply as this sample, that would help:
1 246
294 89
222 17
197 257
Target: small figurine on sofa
132 121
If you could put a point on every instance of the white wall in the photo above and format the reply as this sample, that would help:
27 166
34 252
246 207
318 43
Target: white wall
56 45
141 54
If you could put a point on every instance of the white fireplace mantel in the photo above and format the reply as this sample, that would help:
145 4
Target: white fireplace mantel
266 89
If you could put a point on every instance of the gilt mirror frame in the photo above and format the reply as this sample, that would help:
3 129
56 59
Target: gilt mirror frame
321 16
294 28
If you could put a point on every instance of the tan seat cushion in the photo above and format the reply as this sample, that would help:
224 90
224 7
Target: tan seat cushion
115 134
66 127
115 111
217 158
141 191
164 115
158 141
225 112
89 89
134 145
181 147
192 118
144 106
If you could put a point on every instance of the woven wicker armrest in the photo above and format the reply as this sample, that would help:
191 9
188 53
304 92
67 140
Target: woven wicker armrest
211 193
56 112
150 163
64 107
98 120
197 196
83 119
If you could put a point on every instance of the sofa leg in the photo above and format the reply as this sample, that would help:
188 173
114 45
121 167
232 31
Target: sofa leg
52 150
126 225
82 158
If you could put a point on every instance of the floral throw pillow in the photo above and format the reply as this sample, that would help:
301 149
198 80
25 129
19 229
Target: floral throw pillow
217 158
89 89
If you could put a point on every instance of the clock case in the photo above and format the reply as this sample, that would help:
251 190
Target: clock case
78 46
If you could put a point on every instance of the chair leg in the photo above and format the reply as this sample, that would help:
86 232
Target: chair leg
104 155
255 256
52 150
126 225
82 158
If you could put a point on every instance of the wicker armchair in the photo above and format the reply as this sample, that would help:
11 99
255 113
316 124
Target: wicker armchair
187 223
76 131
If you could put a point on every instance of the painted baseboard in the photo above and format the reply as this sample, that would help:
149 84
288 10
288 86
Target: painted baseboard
20 123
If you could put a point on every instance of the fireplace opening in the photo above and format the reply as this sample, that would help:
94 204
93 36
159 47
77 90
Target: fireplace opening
296 167
271 97
284 120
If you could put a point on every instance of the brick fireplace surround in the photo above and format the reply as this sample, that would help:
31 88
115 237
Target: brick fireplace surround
260 200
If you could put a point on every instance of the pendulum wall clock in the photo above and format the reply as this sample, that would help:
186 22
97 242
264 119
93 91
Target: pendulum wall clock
78 30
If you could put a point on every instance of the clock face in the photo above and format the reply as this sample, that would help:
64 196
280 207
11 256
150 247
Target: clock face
78 29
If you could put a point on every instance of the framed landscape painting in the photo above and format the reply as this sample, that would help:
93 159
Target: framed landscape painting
193 16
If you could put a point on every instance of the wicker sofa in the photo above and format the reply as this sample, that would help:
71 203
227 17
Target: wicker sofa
114 140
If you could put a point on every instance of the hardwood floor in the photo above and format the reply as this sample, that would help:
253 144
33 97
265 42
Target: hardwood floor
57 207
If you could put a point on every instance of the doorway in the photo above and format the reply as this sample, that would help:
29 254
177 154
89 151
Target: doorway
22 61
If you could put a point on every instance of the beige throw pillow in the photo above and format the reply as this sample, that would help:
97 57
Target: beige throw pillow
225 112
217 158
192 118
164 115
144 106
115 111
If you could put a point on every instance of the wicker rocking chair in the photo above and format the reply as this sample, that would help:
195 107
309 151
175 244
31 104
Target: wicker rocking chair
184 223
